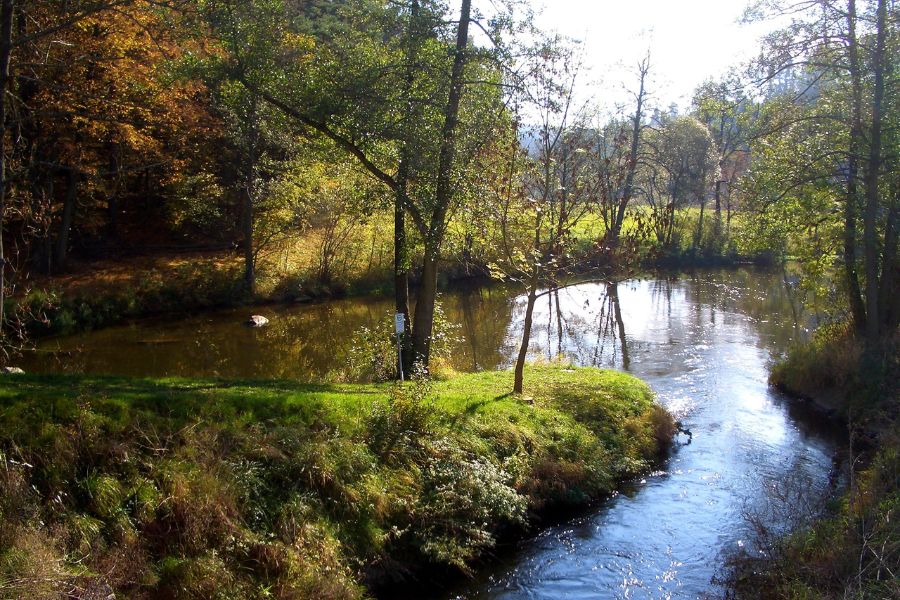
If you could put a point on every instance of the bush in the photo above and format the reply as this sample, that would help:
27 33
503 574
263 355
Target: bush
830 361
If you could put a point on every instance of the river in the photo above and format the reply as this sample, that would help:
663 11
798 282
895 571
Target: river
703 342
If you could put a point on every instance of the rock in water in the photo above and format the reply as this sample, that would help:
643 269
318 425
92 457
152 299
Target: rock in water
257 321
12 371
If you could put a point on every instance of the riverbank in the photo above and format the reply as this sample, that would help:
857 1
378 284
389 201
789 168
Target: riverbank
851 549
189 488
106 293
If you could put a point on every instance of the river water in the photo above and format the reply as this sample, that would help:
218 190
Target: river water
702 341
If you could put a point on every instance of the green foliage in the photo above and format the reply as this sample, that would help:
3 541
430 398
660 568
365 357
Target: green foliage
196 203
373 353
397 428
464 497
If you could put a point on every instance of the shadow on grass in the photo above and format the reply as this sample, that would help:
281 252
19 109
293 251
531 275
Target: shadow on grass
55 398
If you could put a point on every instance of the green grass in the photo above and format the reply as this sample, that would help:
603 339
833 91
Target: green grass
174 488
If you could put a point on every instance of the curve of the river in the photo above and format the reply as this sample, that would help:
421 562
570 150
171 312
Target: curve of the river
703 342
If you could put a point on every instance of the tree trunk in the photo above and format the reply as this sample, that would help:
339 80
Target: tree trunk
559 325
249 196
718 225
6 19
519 374
424 318
62 241
889 300
612 291
112 200
728 211
401 271
249 262
628 189
854 291
698 239
401 253
873 172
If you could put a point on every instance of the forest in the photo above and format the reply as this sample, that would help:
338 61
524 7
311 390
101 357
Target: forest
169 159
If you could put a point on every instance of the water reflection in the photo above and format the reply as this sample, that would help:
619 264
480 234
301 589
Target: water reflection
598 324
703 342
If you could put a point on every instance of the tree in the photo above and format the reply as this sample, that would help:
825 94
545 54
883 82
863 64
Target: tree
442 125
724 108
680 163
844 96
81 107
540 194
619 195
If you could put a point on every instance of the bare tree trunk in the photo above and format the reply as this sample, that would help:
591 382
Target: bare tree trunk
612 291
519 374
559 325
854 291
62 242
698 238
873 172
628 189
6 19
424 317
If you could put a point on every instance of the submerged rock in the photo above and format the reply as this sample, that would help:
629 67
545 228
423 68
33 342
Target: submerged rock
257 321
12 371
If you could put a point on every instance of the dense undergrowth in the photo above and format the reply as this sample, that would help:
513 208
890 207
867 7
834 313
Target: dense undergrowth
852 550
213 489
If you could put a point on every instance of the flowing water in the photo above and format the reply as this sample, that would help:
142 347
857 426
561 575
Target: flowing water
703 342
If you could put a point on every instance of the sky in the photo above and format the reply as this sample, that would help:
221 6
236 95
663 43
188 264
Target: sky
690 41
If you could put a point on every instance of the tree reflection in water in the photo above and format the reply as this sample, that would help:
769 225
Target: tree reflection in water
597 324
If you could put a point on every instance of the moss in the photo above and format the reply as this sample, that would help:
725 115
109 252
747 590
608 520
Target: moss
275 487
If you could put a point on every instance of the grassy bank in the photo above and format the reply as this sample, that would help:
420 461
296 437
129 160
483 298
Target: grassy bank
852 549
213 489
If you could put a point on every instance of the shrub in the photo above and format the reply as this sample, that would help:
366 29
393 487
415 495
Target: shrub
830 361
399 426
32 567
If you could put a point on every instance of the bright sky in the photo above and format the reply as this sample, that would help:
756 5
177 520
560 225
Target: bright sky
689 41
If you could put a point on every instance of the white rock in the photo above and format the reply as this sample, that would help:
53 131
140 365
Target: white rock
257 321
